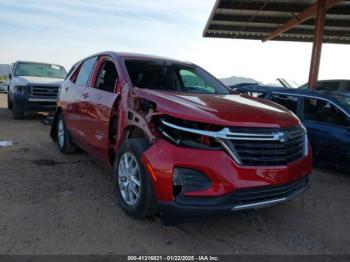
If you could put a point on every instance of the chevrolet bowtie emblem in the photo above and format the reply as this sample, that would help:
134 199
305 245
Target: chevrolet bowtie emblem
281 137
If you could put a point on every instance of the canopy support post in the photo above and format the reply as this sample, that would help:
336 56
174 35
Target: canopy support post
317 44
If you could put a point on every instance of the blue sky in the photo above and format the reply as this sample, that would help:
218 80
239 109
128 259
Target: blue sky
65 31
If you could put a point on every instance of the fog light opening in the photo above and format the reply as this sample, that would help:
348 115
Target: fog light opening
189 180
177 183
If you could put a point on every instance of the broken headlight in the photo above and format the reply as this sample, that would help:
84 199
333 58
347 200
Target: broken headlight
178 131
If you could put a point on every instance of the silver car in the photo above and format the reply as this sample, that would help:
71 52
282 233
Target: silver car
3 87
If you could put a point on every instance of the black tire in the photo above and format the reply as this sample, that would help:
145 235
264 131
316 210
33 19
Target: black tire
9 104
146 205
66 146
16 113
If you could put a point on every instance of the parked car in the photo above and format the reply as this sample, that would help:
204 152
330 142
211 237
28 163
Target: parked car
33 87
326 115
331 85
3 86
177 139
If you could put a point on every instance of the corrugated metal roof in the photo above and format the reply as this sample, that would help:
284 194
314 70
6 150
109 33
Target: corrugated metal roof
256 19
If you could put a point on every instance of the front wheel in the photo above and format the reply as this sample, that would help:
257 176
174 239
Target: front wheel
9 104
132 183
16 112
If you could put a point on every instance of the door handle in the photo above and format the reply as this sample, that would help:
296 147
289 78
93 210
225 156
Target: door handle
85 95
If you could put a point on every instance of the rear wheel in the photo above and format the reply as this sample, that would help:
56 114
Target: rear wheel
64 141
132 183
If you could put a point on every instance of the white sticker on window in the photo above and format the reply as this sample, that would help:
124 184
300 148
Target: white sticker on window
55 67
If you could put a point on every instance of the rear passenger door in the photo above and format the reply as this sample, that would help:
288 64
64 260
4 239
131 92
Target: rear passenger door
328 131
100 98
77 108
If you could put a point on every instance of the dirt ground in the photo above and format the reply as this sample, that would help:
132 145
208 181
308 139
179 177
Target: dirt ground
56 204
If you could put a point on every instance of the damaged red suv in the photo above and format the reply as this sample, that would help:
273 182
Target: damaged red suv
178 141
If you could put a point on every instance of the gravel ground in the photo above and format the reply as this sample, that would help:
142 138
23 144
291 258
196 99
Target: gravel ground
56 204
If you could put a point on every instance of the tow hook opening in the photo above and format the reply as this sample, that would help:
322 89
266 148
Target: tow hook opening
189 180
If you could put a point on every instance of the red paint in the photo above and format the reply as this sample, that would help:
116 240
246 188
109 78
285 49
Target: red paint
225 174
88 112
229 110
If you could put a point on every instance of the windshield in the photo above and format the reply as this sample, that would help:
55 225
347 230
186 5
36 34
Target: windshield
40 70
169 76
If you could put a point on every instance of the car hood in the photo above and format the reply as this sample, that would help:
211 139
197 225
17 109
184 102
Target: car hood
25 80
227 110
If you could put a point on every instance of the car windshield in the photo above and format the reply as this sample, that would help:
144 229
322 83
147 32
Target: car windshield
40 70
170 76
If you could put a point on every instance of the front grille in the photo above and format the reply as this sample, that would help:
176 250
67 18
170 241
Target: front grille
44 91
287 146
267 193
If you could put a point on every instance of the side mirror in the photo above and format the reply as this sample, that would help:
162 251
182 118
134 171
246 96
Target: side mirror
10 76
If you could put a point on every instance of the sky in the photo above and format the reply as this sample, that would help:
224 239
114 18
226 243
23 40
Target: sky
65 31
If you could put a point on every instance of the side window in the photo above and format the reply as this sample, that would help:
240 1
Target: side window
290 102
324 112
107 76
70 72
328 86
85 71
192 81
347 87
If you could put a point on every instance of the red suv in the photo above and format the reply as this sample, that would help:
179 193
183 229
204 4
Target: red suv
177 139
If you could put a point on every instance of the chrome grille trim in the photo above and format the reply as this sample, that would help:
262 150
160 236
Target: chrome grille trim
225 133
47 91
258 146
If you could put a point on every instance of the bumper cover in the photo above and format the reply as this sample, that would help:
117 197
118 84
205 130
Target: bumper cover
245 199
35 104
225 175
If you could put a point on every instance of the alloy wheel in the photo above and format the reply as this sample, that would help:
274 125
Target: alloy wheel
60 133
129 178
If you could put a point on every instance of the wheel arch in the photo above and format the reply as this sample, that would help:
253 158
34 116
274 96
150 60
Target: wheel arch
129 132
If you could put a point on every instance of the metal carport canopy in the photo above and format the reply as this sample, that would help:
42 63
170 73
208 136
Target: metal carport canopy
314 21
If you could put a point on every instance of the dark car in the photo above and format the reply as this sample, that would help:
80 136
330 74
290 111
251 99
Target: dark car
326 115
177 139
334 85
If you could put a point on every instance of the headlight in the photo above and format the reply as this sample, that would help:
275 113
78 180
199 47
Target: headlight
21 89
306 141
186 138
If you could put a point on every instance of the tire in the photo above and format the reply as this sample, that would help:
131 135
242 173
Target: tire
16 113
64 141
144 205
9 104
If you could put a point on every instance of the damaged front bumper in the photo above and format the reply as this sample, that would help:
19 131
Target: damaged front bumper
238 200
233 187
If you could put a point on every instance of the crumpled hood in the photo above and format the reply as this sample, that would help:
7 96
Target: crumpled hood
226 110
25 80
